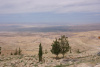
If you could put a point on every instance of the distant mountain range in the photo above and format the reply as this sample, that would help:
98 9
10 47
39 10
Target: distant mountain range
48 28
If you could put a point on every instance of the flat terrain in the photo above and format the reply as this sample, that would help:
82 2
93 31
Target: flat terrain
87 42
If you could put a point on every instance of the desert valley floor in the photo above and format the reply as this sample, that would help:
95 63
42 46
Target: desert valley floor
87 42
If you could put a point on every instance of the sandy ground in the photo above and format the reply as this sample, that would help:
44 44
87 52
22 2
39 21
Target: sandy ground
87 42
29 42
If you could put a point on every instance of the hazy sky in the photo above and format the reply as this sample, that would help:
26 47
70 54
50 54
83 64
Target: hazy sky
50 11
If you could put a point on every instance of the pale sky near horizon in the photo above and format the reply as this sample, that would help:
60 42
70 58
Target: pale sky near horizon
50 11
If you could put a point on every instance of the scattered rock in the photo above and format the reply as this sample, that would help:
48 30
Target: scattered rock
98 54
83 65
97 65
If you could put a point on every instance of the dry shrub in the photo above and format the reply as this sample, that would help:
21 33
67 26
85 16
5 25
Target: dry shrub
99 37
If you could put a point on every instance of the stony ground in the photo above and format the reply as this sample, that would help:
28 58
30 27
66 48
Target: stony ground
27 61
32 61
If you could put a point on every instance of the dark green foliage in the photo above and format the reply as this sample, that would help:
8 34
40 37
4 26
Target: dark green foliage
0 50
56 48
61 46
64 45
40 52
19 51
16 52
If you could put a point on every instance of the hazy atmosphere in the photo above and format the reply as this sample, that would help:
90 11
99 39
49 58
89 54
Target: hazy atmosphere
50 11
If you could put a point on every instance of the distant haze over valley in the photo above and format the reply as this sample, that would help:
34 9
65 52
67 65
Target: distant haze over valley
47 28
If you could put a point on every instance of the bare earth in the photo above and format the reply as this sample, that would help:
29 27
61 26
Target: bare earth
87 42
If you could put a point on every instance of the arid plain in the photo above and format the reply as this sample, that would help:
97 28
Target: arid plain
85 45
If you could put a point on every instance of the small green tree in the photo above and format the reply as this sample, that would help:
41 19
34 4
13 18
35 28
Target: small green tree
16 52
40 52
64 45
0 50
55 48
19 51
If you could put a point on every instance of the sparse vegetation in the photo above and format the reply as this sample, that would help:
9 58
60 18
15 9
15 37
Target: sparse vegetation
64 45
60 46
70 49
11 53
46 51
18 52
40 52
0 50
56 48
78 51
